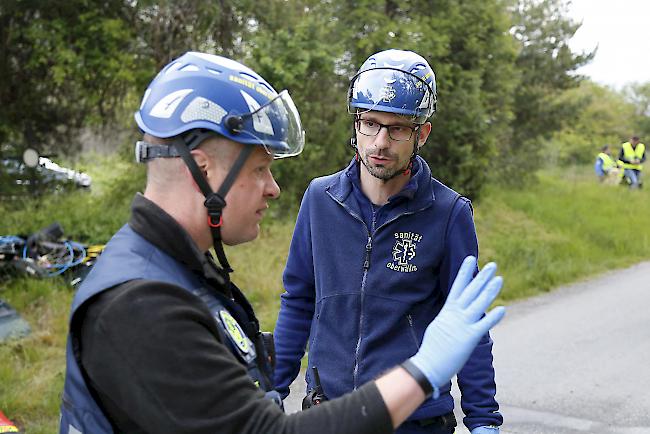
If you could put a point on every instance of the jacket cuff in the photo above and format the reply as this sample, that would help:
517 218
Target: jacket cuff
486 430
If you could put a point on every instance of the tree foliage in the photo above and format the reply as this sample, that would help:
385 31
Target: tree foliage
546 67
503 69
64 64
606 118
639 96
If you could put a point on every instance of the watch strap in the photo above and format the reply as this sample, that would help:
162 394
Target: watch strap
421 379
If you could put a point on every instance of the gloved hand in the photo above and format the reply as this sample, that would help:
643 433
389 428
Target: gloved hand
453 334
486 430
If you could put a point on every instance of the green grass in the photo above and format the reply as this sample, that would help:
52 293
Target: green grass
565 228
32 369
258 269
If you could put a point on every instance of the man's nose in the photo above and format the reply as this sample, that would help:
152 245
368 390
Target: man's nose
272 190
382 139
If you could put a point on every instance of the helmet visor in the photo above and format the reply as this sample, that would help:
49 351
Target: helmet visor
276 126
391 90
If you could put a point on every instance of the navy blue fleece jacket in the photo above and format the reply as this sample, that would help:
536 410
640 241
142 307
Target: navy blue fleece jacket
363 282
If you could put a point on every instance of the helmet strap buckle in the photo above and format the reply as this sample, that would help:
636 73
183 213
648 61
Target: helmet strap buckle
215 204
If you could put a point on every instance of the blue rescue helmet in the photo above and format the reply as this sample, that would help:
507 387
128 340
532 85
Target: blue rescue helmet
200 95
200 91
394 81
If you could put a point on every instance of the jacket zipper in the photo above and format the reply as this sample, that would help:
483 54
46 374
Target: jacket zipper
412 329
366 266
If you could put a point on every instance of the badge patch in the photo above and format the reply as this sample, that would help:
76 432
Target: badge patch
404 252
235 331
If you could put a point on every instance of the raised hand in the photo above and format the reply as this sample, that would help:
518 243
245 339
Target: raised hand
453 334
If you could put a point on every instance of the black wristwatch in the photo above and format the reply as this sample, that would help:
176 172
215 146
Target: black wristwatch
421 379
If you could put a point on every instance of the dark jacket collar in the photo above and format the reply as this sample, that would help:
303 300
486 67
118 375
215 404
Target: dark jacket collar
159 228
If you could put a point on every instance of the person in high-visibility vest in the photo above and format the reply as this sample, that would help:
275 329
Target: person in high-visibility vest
605 166
631 158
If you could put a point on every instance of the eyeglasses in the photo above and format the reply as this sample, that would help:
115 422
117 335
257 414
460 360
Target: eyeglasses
398 133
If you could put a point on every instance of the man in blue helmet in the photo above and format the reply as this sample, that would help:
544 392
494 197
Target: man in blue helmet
375 251
160 339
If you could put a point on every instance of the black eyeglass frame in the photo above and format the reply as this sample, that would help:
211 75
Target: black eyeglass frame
358 121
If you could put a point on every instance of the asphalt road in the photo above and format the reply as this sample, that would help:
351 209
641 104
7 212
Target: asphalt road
573 361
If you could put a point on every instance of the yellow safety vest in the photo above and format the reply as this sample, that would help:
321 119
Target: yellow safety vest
608 163
631 154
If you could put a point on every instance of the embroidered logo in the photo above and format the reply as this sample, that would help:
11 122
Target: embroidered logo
235 332
404 252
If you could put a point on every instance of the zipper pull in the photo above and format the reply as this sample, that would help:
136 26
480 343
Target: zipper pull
366 263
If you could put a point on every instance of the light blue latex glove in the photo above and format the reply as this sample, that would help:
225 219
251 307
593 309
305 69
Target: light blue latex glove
486 430
453 334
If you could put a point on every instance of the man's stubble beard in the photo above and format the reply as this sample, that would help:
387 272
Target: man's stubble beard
381 172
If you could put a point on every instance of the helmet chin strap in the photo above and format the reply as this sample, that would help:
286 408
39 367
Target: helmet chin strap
416 148
215 202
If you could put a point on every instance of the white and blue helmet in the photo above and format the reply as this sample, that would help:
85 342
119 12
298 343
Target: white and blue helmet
394 81
201 95
200 91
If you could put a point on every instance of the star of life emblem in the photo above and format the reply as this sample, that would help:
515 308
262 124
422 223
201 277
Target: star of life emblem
404 251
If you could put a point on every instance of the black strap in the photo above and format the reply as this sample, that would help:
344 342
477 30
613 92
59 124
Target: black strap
214 202
234 170
419 377
145 151
221 255
183 149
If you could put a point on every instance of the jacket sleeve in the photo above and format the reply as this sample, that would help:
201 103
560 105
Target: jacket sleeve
297 304
599 166
476 379
153 355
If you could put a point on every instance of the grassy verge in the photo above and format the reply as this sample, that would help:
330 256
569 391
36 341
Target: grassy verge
32 369
566 228
563 229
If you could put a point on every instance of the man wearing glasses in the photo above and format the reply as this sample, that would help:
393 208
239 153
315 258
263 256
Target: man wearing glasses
375 251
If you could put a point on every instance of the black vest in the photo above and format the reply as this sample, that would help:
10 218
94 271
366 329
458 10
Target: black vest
129 256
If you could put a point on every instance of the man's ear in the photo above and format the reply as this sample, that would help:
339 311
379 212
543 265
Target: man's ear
202 160
423 134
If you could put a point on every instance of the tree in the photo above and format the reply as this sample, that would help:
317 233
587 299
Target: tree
639 96
166 29
546 66
606 118
64 64
467 45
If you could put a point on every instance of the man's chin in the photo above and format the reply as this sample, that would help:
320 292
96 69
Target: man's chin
242 238
382 173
